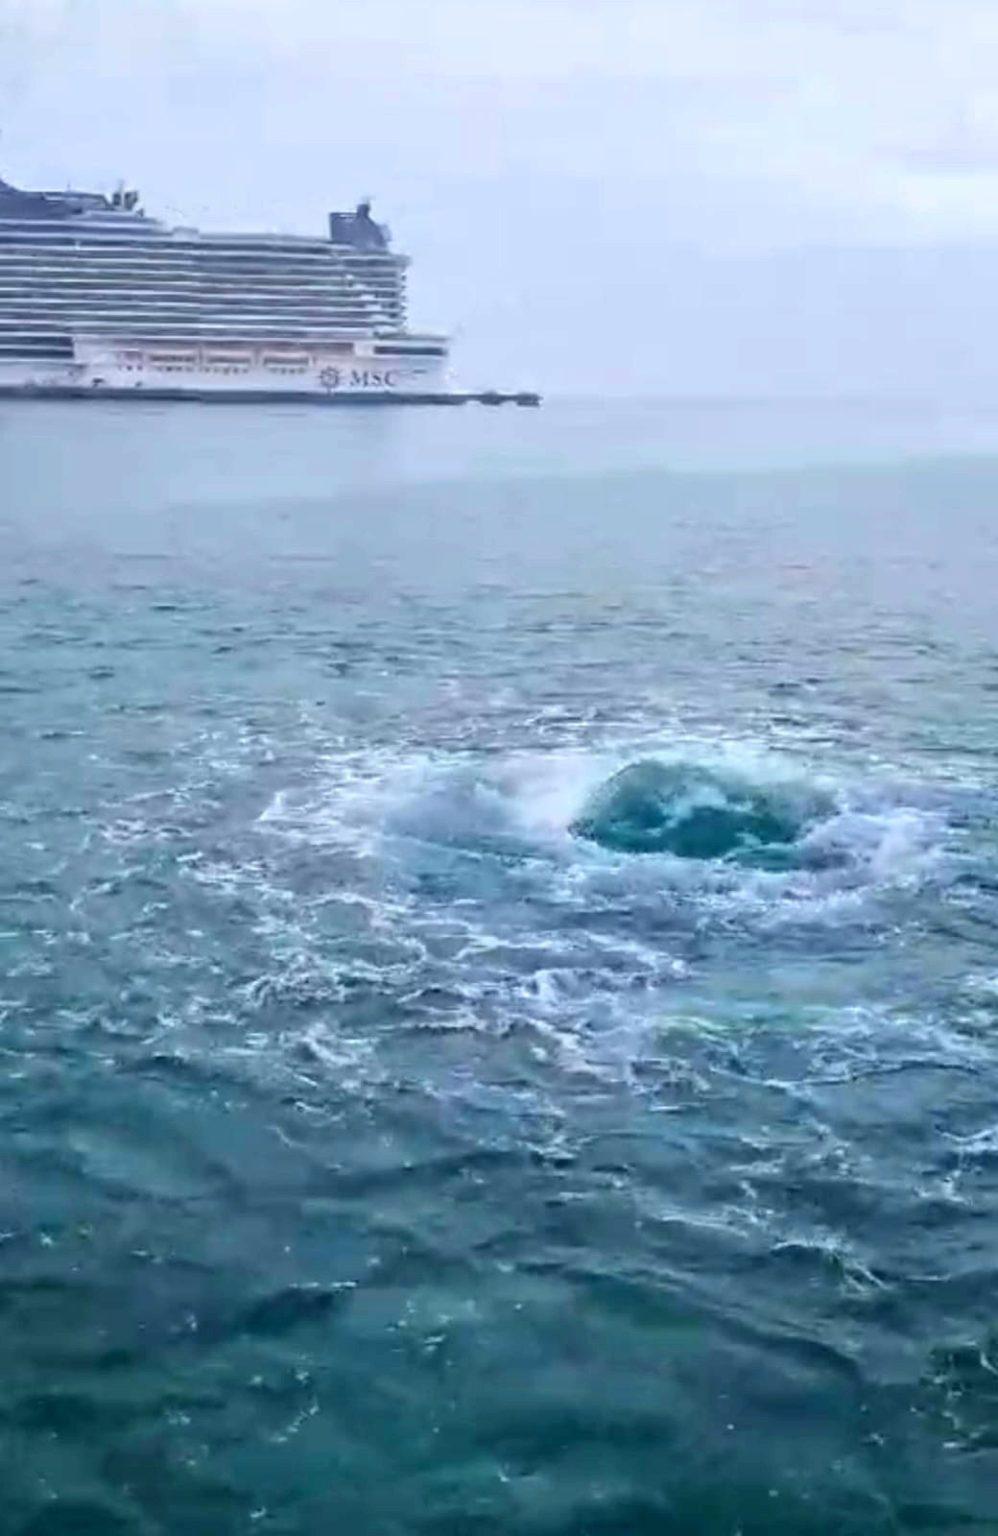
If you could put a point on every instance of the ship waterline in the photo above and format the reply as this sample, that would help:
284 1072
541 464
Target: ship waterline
97 299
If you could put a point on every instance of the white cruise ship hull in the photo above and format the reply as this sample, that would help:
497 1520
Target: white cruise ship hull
196 373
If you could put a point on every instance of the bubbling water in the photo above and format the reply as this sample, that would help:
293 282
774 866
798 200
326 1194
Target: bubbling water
695 811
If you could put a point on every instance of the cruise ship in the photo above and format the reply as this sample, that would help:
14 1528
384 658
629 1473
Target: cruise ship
98 300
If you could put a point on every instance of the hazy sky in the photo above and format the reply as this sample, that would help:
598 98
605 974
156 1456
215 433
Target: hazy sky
635 195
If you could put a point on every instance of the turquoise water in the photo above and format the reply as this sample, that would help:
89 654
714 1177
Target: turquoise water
407 1125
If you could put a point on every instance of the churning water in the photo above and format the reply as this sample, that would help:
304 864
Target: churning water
499 1013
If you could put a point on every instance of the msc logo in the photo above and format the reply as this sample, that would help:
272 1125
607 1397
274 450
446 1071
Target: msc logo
358 378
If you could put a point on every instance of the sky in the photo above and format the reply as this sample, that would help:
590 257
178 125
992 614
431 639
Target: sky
687 197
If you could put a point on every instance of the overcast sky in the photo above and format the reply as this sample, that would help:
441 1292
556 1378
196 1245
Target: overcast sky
685 196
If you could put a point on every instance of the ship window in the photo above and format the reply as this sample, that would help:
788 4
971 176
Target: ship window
403 351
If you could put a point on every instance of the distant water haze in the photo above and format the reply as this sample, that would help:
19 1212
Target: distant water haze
600 196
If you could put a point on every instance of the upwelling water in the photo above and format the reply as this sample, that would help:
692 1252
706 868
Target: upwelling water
405 1125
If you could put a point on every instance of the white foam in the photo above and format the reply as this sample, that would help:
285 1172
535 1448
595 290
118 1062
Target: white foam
496 918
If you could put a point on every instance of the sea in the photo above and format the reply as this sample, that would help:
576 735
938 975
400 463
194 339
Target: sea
498 970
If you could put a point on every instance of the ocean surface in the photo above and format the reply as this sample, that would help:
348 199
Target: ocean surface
499 996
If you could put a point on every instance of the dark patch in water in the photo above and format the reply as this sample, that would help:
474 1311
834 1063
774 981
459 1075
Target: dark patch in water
72 1517
697 812
297 1305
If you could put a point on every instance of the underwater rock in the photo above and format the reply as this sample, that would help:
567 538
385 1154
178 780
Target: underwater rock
696 812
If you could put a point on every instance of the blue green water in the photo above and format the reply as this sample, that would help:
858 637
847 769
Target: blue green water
405 1125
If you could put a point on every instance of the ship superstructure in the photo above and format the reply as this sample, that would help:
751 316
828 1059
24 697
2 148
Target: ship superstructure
97 297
